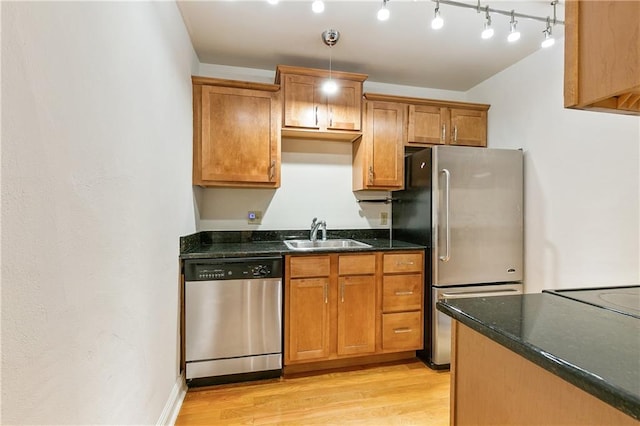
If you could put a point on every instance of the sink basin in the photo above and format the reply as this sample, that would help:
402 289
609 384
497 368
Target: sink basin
307 245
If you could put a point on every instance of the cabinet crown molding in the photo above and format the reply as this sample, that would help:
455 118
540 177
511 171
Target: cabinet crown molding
287 69
423 101
209 81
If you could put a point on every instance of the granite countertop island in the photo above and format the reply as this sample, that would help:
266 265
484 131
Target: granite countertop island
225 244
595 349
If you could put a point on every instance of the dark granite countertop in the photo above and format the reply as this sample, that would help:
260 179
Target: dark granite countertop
596 349
225 244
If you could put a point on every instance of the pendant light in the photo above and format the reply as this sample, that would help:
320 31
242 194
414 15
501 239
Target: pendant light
330 38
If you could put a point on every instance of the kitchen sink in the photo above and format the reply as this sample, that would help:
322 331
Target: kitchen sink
308 245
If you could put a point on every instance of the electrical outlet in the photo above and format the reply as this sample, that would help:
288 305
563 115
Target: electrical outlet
254 217
384 218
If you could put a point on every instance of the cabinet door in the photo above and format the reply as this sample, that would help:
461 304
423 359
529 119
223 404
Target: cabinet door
468 127
344 108
239 143
385 136
427 124
356 314
308 333
301 103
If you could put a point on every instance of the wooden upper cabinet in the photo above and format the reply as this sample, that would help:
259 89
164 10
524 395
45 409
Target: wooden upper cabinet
378 158
435 122
468 127
602 56
310 113
428 124
236 135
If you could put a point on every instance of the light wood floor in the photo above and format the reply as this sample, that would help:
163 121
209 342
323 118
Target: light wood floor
401 393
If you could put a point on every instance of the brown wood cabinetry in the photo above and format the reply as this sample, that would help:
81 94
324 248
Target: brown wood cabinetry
378 158
514 390
330 306
356 304
402 301
307 312
435 122
236 134
342 306
602 56
310 113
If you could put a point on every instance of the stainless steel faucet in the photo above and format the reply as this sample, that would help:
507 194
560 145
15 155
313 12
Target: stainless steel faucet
313 235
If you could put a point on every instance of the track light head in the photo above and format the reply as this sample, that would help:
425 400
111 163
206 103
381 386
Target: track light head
548 36
383 13
317 6
437 21
487 33
514 34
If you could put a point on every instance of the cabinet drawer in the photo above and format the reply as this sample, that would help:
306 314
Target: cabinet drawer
402 293
401 331
402 262
309 266
364 264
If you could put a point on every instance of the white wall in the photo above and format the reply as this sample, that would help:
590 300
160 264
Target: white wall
96 190
581 177
316 177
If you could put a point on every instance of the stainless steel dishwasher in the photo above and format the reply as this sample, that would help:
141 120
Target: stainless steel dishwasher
233 319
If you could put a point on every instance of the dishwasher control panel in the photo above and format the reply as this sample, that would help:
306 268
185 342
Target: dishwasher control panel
233 269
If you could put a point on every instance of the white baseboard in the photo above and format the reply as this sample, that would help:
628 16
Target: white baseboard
172 407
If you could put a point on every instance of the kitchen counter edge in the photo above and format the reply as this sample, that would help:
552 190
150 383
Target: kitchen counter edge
278 248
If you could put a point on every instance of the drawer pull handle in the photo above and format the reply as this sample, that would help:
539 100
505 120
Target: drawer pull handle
402 330
404 263
404 293
326 293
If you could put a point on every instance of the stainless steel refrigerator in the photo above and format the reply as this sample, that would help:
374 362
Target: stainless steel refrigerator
466 205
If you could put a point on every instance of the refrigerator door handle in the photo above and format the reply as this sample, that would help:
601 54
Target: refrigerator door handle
462 295
447 231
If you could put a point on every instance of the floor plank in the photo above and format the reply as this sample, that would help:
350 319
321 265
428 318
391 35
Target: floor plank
391 394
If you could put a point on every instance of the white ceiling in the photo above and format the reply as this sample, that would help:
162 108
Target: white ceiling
403 50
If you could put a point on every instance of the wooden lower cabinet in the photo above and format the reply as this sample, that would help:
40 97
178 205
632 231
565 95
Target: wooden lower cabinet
341 306
356 315
492 385
309 338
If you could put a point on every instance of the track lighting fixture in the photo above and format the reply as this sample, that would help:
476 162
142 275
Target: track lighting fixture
514 34
317 6
548 37
383 13
437 21
488 31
